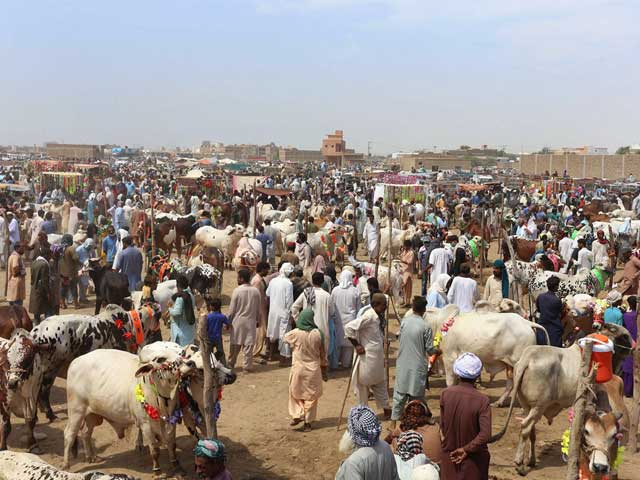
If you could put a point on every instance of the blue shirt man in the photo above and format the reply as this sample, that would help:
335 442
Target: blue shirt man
129 262
265 239
109 245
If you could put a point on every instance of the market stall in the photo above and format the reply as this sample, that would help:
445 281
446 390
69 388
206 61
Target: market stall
70 182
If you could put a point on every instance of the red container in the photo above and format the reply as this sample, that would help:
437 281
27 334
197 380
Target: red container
602 355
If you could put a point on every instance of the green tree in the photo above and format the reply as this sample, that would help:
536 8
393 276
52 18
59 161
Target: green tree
545 151
623 150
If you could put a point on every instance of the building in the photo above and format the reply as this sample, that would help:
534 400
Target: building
483 152
70 151
582 166
433 161
293 155
336 153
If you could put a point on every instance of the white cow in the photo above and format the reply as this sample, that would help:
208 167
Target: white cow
398 237
546 379
226 240
498 339
387 285
279 215
284 228
26 466
162 294
118 390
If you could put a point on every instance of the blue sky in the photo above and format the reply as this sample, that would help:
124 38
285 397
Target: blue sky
404 74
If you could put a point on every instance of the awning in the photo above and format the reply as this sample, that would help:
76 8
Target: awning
273 191
471 187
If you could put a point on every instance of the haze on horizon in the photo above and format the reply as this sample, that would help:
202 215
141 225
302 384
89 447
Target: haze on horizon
404 74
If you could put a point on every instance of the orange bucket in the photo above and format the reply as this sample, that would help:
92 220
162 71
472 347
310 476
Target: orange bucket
602 355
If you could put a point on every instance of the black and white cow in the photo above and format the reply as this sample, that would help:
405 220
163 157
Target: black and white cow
26 466
20 375
70 336
112 288
201 278
589 282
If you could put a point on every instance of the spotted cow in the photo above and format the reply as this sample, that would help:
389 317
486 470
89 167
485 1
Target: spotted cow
26 466
589 282
20 374
70 336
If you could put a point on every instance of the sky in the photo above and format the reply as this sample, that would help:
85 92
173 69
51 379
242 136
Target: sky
402 74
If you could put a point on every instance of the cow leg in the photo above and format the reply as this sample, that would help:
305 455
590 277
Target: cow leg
43 397
6 429
86 433
32 444
507 389
98 304
139 441
76 418
154 448
170 435
532 450
534 415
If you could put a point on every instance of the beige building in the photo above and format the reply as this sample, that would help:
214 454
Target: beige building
336 153
433 162
582 166
70 151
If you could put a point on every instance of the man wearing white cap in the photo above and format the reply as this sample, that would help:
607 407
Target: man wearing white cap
280 294
465 424
613 314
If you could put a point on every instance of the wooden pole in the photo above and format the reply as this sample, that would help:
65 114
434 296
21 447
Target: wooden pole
386 330
482 224
255 208
500 230
153 228
584 393
210 380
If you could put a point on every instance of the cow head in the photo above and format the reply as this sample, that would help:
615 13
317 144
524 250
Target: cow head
225 375
106 476
580 304
21 355
600 440
92 265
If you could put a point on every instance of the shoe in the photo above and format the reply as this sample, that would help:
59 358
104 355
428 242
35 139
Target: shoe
307 427
295 421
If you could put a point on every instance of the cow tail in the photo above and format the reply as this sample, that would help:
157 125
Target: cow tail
516 386
534 325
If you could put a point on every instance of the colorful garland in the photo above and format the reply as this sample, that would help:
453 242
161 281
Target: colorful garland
140 398
447 325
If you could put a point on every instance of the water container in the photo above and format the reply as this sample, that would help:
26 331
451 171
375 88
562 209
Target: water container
602 354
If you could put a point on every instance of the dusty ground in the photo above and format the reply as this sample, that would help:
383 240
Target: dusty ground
261 445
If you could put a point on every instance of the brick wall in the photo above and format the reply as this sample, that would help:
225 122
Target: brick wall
611 167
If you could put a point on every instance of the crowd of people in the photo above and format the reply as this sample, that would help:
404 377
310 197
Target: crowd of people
304 314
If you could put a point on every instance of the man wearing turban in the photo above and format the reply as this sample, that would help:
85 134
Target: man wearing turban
210 458
466 424
371 459
497 286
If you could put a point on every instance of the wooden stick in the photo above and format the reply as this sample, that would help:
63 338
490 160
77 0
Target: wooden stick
211 386
585 387
346 394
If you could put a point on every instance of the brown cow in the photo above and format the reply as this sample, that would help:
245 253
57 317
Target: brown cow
12 317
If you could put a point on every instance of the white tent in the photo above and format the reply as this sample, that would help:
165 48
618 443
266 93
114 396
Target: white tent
194 174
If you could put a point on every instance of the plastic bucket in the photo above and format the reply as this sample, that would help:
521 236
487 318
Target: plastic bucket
602 355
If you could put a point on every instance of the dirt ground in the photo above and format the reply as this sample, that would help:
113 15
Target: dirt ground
254 426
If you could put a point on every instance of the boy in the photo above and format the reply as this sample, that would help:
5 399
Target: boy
215 320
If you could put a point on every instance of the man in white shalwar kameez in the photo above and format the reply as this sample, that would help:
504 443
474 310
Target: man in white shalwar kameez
280 295
439 260
317 299
34 228
4 236
366 334
371 239
304 254
345 299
